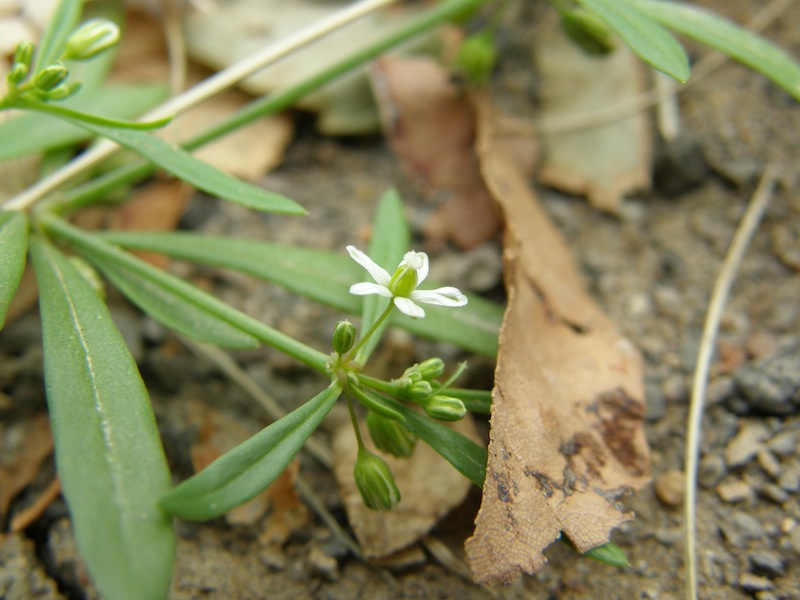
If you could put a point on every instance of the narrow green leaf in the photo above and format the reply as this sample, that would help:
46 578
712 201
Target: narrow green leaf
74 115
729 38
324 277
61 25
93 245
239 475
390 239
196 172
649 40
476 401
609 554
172 310
465 455
108 451
13 248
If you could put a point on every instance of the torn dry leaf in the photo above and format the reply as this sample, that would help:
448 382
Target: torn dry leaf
430 125
24 446
567 439
429 487
603 161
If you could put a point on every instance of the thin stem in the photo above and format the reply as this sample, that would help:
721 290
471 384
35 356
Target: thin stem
372 330
354 419
201 92
719 297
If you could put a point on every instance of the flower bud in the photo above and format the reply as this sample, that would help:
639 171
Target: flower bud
444 408
403 281
589 32
50 78
417 392
344 335
90 39
431 369
390 436
375 481
65 90
17 74
476 57
24 54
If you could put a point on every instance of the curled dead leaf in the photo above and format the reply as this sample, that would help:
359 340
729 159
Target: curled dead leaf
567 439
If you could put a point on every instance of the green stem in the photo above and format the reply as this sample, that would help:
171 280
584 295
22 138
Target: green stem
369 333
91 244
354 420
274 103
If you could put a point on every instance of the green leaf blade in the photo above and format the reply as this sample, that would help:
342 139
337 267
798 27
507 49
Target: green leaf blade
729 38
173 311
239 475
189 169
649 40
324 277
13 248
390 239
465 455
61 25
108 451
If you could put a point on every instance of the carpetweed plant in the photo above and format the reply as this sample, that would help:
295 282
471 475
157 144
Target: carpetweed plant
109 456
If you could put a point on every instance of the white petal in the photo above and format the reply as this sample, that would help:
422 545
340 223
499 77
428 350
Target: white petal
366 288
406 306
445 296
422 272
377 272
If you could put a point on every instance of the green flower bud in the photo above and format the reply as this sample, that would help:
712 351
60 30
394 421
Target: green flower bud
65 90
17 74
431 369
343 336
24 54
90 39
444 408
589 32
390 436
51 77
375 481
417 392
476 57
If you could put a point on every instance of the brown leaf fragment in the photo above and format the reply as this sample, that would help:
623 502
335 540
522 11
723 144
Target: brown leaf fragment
567 437
24 446
429 487
430 124
603 161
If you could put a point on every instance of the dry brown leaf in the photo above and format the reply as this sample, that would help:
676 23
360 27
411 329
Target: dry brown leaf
604 161
22 454
430 124
567 439
429 487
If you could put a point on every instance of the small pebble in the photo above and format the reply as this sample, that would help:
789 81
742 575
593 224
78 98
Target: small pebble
656 403
785 443
767 562
746 444
790 478
711 470
794 539
741 528
674 388
719 390
769 463
734 491
755 583
771 385
774 493
323 564
669 488
273 558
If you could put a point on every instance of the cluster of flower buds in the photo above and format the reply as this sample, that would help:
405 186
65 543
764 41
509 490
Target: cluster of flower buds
415 386
49 82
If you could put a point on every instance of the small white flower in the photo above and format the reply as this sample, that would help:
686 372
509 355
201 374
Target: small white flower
401 286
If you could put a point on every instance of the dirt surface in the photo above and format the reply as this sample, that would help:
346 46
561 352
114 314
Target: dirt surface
652 268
